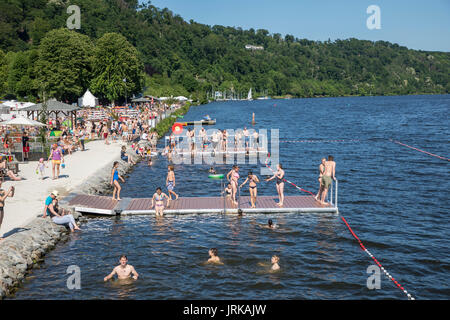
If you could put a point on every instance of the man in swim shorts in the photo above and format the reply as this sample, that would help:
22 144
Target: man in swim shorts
329 173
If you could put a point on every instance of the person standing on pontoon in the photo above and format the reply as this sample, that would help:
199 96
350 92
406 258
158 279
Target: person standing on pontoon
252 180
224 138
321 171
233 178
215 140
279 175
203 138
246 138
256 140
329 173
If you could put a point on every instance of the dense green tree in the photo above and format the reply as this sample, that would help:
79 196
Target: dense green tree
64 66
117 68
189 58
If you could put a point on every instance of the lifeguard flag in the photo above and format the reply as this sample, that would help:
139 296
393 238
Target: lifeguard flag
177 128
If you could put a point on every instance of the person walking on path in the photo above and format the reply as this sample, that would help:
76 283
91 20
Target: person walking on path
57 158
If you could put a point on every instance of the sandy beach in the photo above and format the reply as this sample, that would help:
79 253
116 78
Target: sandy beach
30 194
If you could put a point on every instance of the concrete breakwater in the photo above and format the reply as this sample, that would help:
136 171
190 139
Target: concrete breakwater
27 246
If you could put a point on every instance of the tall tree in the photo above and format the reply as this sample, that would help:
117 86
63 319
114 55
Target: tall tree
64 66
117 68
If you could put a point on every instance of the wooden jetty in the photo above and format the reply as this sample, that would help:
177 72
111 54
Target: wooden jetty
102 205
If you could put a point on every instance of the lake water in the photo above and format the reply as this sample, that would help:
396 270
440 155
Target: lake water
395 199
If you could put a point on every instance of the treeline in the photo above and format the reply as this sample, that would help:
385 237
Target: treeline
160 53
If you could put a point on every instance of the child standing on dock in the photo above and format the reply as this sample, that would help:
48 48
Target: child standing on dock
170 182
115 176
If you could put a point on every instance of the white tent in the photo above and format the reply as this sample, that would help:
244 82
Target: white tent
17 105
88 100
181 98
22 122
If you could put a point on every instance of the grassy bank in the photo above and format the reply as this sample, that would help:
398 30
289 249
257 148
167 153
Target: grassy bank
166 124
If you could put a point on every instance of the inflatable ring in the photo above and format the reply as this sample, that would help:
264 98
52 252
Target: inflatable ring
216 176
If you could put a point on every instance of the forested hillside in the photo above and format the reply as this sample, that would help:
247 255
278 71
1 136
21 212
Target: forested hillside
156 51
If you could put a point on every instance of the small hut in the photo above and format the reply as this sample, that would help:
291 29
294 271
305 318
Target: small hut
53 107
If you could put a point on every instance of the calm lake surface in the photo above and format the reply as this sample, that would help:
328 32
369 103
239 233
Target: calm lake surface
395 199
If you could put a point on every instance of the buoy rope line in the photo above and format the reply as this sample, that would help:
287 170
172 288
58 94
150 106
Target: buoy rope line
358 140
423 151
301 189
318 141
410 297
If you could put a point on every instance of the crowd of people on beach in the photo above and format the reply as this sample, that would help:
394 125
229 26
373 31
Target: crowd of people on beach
66 138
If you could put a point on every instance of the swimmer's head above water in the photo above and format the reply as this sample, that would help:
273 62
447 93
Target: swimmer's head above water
270 223
123 260
213 252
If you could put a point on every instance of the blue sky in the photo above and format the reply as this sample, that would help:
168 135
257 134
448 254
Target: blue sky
423 25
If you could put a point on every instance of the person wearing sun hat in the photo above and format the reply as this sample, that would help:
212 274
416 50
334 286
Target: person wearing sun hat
57 218
48 202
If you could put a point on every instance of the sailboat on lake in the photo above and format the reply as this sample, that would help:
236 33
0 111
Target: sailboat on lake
250 97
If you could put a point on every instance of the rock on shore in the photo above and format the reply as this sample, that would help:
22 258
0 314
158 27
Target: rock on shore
28 245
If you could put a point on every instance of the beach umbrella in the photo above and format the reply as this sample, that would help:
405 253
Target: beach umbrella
22 122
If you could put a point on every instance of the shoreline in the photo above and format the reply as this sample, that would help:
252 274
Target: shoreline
29 237
27 247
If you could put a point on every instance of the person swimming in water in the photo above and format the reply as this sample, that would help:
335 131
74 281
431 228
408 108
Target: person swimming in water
158 201
115 176
279 175
213 256
252 180
275 266
233 177
170 182
123 271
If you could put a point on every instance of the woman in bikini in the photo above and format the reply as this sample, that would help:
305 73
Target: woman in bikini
233 177
321 171
279 175
252 181
57 158
158 202
3 196
115 176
